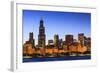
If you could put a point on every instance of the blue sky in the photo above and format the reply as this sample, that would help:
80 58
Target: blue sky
60 23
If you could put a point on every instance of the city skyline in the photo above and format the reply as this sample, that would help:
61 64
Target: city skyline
60 23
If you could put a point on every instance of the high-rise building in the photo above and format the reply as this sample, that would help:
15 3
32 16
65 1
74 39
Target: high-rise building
31 39
81 38
68 39
41 36
50 42
56 40
60 43
87 42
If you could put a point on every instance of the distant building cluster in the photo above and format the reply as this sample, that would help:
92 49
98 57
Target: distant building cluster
56 47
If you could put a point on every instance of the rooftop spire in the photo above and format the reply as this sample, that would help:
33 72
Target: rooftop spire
41 22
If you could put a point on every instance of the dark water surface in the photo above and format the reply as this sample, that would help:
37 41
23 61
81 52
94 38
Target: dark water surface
56 58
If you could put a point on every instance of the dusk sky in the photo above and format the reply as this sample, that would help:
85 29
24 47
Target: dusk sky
60 23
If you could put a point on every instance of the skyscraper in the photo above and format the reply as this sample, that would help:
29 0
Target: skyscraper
50 42
31 40
41 36
60 43
81 38
56 40
68 39
87 42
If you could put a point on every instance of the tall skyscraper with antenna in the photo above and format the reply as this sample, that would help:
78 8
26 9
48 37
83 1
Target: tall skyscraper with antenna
41 36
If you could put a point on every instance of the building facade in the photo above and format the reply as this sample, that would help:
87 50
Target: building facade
60 44
81 38
41 36
68 39
56 40
31 39
50 42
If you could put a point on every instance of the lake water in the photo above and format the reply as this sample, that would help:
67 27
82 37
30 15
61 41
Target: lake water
56 59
